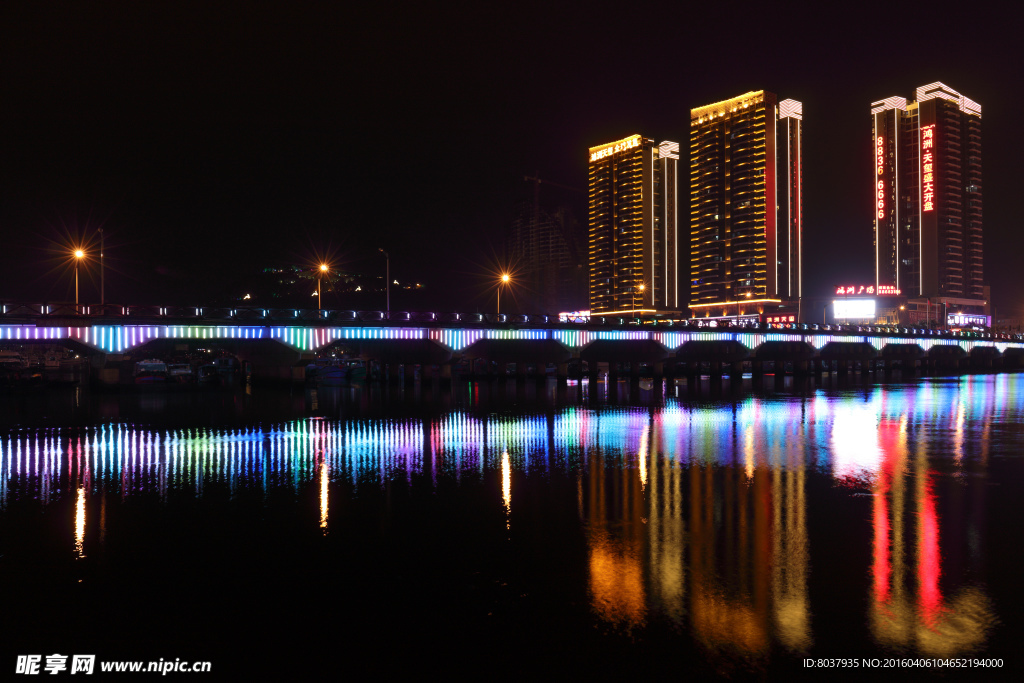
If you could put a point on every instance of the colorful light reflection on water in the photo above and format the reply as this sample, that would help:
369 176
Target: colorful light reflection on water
698 514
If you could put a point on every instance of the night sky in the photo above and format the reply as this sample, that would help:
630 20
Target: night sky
212 139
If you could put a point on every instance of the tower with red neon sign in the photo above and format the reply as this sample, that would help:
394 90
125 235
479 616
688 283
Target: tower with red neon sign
927 192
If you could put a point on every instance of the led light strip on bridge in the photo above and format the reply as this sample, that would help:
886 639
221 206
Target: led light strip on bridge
121 338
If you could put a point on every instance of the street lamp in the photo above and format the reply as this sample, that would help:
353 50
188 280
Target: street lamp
640 287
103 297
79 255
319 298
387 279
504 280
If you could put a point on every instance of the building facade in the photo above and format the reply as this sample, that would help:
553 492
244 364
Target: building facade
545 249
746 224
633 236
927 195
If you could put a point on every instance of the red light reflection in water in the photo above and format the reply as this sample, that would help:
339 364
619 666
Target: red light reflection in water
909 559
929 567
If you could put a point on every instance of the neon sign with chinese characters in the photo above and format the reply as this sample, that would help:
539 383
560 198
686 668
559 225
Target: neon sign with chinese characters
928 168
870 290
597 153
880 185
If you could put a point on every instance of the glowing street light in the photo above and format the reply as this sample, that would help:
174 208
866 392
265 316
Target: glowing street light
319 298
505 279
79 255
640 287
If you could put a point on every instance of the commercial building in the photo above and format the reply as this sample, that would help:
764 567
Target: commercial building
927 199
746 231
633 242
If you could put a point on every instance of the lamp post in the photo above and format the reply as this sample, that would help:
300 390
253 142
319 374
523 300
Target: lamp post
387 280
640 287
319 297
504 280
103 298
79 255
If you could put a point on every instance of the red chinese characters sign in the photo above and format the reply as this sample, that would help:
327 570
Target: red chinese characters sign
880 184
928 168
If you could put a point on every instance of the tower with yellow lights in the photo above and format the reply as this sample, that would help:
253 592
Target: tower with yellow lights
746 232
633 240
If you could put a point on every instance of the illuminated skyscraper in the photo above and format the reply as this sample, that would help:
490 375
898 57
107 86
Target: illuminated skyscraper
746 198
633 233
927 189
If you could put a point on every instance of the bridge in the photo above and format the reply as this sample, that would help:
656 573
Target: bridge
278 343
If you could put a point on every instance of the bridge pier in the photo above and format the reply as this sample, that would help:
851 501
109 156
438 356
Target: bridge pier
562 374
634 374
394 373
444 374
736 371
613 373
757 370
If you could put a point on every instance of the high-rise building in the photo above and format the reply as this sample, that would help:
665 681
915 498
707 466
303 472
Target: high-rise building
633 231
927 189
746 232
546 250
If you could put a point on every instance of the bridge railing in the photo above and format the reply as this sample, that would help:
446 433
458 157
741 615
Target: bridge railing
84 315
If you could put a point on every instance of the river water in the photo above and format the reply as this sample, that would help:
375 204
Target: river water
510 531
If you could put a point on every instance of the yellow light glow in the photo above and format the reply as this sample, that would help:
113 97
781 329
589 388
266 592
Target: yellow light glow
726 106
324 478
79 253
745 301
623 144
323 267
506 488
505 277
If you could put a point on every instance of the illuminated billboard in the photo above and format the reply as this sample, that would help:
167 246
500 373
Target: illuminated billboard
968 320
928 168
870 290
853 309
606 150
880 166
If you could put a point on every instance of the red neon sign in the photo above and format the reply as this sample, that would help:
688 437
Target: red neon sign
927 168
880 185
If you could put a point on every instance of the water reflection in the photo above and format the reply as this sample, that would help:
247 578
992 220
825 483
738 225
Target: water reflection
80 523
695 515
909 609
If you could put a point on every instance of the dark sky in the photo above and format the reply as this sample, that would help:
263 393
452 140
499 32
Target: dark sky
210 139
